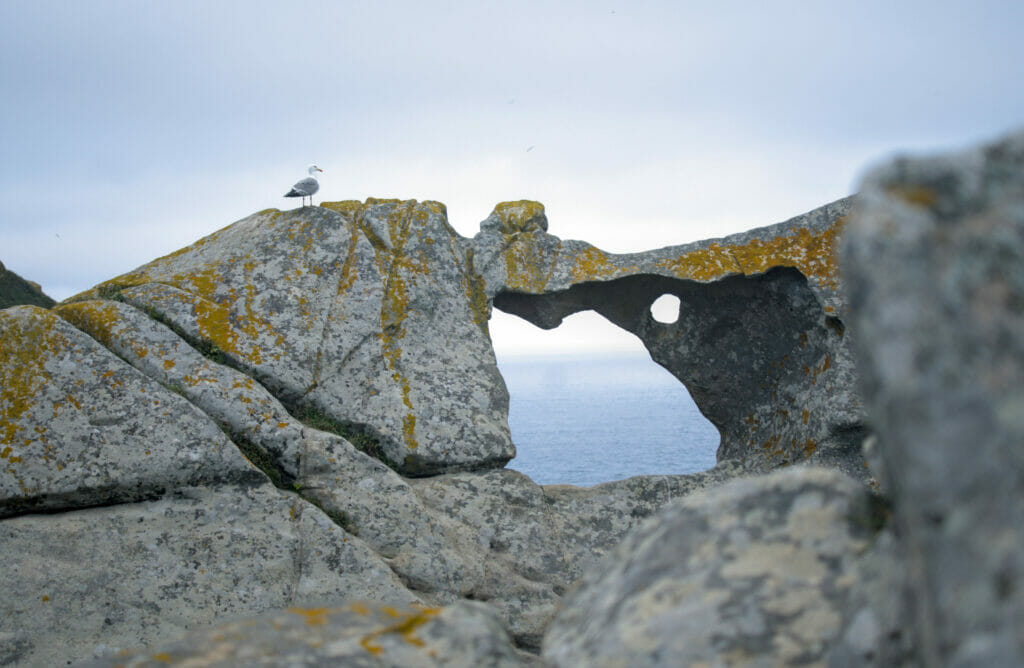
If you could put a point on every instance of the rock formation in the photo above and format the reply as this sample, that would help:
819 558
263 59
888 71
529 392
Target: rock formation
935 270
303 410
772 293
15 290
755 572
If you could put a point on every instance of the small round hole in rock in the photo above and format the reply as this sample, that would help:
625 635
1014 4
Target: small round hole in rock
665 309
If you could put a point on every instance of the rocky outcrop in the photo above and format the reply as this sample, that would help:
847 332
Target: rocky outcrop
311 398
15 291
755 572
152 520
350 311
935 269
760 340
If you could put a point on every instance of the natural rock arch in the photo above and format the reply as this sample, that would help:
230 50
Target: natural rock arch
759 343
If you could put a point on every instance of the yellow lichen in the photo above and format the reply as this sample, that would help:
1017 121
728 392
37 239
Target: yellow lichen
312 616
405 627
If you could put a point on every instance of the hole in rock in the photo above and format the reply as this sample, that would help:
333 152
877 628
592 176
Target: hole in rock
665 309
588 405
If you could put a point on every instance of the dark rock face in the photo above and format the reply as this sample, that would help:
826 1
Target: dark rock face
15 291
934 265
760 340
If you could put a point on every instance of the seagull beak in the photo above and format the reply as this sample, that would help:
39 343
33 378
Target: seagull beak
319 170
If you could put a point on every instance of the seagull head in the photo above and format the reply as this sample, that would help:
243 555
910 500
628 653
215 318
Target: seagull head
313 169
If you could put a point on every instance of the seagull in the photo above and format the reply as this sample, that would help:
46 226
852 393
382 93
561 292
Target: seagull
306 187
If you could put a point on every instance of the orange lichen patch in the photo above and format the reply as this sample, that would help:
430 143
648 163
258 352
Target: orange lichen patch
806 415
29 339
399 270
703 264
359 608
405 627
528 263
915 195
592 263
809 446
168 364
96 317
812 253
520 216
313 616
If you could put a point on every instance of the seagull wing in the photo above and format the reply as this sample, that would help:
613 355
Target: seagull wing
304 188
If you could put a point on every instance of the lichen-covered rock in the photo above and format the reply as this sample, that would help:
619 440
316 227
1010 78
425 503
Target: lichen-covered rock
760 340
934 266
356 634
364 312
322 467
754 572
96 580
533 541
79 427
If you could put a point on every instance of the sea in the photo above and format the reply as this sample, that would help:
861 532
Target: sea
588 419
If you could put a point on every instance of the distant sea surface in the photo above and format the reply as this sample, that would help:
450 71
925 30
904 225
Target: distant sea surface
587 420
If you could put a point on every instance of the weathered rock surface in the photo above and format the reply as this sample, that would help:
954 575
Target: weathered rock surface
934 265
95 580
155 521
754 572
79 428
363 312
772 293
358 634
172 396
15 291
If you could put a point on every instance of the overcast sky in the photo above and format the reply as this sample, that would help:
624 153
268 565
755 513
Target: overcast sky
131 129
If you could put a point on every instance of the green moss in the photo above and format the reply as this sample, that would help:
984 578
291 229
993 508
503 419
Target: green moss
338 516
259 458
359 437
206 348
875 515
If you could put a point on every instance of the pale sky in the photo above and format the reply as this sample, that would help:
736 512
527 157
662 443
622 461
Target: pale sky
131 129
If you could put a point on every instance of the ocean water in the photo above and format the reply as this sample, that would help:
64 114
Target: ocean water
587 420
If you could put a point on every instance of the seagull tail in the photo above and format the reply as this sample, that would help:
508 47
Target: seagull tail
294 193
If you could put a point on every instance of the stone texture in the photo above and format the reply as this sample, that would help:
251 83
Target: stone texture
754 572
531 542
350 310
760 342
934 265
357 634
79 427
371 319
93 581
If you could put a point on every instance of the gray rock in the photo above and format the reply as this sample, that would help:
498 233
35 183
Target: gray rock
357 634
95 580
760 340
934 266
79 427
351 311
532 542
754 572
372 318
